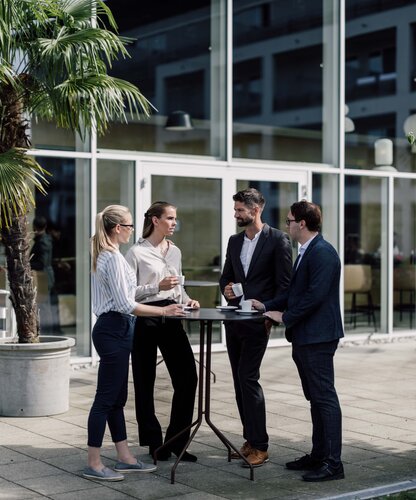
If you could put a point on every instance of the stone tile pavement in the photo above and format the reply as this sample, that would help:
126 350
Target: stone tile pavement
376 382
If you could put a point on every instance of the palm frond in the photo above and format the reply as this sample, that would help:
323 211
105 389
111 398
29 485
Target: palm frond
91 102
67 59
70 49
19 174
7 74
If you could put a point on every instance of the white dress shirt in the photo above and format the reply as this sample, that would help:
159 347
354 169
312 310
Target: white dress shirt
150 267
247 251
302 250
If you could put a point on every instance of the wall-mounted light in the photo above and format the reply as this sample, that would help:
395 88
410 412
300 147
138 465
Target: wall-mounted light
179 120
383 155
349 125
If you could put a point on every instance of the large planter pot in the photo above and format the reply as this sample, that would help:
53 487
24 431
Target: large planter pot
35 377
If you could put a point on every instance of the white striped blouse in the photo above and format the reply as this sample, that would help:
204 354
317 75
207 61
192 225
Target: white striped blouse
113 284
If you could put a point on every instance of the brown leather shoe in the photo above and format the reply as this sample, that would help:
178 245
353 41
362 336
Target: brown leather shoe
256 458
245 450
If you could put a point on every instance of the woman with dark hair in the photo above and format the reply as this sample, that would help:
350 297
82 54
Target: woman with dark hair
113 287
157 264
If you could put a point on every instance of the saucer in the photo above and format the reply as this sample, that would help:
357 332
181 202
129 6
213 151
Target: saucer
227 308
253 311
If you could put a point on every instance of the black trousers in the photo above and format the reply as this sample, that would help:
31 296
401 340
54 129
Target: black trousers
246 345
171 339
315 363
112 336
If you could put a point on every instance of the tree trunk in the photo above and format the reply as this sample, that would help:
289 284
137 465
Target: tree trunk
22 292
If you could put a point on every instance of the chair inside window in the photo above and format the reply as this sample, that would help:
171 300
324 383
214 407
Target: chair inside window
358 281
405 284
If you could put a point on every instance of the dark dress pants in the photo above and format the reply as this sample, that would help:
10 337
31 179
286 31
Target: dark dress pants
172 341
315 363
112 336
246 345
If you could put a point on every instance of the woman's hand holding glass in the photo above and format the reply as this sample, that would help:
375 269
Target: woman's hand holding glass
173 310
168 283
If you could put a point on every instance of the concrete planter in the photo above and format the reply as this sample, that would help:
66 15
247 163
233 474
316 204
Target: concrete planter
35 377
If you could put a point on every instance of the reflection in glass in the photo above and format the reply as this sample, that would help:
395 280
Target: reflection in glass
379 78
278 79
325 193
404 272
115 186
365 258
66 211
177 64
198 235
46 135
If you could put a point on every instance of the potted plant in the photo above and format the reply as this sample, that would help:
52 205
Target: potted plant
54 56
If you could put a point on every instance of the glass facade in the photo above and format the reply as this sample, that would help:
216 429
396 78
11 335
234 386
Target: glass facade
278 78
67 213
365 204
177 62
379 80
298 99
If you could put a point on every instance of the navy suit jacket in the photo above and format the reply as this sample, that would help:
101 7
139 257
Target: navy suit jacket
270 267
311 303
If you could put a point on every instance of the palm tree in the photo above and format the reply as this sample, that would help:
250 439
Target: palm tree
54 56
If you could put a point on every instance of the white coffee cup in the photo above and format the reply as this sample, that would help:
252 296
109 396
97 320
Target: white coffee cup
181 279
245 305
237 289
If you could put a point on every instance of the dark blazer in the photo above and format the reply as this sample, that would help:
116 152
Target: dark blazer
270 267
311 303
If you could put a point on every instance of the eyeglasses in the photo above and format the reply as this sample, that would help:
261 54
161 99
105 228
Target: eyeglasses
130 226
288 221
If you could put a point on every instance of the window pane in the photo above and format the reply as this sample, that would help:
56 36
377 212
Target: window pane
278 80
379 80
404 272
65 303
46 135
364 213
325 193
198 235
176 63
115 186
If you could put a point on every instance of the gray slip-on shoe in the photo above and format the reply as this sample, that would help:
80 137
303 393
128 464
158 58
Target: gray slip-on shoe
102 475
137 467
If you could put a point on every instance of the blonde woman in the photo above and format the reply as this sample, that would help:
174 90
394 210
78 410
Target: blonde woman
113 289
157 264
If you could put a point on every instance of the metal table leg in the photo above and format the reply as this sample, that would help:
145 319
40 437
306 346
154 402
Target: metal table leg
204 406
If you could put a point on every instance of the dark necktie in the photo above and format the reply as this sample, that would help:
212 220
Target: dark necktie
301 252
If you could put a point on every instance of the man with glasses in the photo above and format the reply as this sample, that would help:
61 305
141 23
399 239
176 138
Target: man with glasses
312 317
260 260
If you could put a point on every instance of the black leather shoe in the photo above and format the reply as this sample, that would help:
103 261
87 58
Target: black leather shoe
304 463
325 473
162 455
186 457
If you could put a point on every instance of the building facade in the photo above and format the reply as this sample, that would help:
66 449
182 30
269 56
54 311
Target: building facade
298 98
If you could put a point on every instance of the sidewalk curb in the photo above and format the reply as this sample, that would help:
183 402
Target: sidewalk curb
376 492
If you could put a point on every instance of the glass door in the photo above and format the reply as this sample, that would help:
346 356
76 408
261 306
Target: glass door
203 197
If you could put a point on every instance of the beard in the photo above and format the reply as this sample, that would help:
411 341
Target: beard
245 222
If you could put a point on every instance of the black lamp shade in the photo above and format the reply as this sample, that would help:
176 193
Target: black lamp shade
179 120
